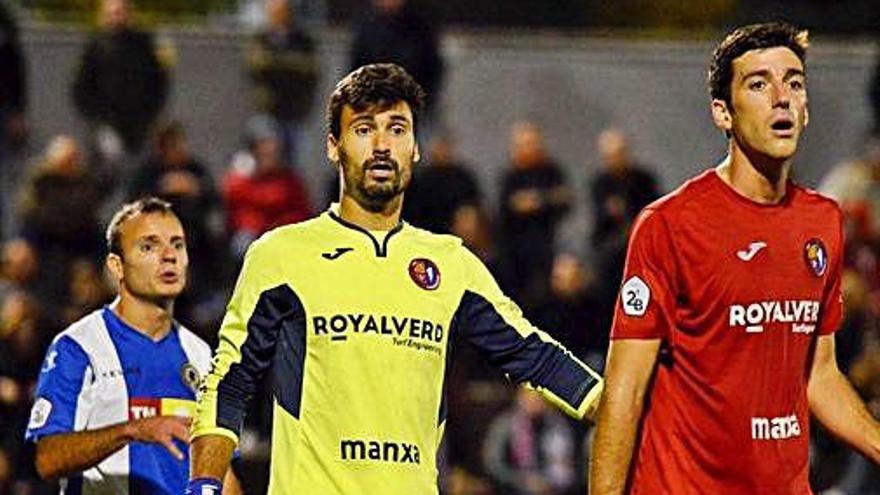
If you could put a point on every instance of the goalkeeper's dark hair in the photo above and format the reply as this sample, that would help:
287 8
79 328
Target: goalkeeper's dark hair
377 86
142 206
747 38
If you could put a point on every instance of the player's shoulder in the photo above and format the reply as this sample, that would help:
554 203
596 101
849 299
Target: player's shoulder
281 238
196 349
84 329
693 190
439 241
188 337
74 340
444 247
805 197
687 197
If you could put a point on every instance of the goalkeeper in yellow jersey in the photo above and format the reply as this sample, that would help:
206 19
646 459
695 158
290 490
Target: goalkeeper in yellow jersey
352 314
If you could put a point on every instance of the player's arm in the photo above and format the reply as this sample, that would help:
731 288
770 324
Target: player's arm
65 454
627 374
527 356
255 316
836 405
643 319
64 378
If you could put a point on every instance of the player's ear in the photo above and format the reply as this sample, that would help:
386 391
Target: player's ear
721 115
806 116
332 149
114 266
416 153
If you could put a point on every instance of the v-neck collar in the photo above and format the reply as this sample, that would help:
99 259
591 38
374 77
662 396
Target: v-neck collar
381 248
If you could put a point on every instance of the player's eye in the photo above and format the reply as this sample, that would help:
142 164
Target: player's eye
398 129
757 85
363 130
797 84
147 247
179 245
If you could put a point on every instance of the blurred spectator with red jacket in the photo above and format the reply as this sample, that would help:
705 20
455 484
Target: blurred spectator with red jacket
260 192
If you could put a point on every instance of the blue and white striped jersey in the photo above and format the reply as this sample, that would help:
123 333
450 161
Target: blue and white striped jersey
100 372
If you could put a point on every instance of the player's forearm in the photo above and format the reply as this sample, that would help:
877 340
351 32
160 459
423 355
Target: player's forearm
210 456
616 429
841 411
64 454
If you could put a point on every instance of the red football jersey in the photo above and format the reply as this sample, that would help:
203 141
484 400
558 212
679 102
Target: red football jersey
738 292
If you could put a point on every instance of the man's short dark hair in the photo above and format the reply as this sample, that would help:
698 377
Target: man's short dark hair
374 85
128 211
747 38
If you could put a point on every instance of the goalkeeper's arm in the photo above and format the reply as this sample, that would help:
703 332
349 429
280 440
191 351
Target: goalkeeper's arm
210 458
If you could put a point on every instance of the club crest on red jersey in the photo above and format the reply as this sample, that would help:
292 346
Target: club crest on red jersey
424 273
816 256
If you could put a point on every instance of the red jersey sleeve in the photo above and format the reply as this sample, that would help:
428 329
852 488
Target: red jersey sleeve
645 307
832 299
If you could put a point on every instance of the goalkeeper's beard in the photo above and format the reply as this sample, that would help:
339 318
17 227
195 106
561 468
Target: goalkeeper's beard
373 196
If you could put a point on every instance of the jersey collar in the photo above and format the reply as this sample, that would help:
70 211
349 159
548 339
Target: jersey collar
381 248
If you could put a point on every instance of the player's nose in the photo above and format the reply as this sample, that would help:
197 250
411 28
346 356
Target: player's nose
780 94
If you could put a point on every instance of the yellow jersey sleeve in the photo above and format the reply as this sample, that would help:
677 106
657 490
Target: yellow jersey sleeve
496 326
247 340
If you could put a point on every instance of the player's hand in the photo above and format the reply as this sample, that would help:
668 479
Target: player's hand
163 430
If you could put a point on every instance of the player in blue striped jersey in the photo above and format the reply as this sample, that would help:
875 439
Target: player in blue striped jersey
117 389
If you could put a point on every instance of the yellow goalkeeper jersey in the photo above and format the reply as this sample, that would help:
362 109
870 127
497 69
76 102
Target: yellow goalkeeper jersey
355 329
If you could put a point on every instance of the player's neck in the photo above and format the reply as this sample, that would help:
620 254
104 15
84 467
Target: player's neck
759 179
386 219
150 318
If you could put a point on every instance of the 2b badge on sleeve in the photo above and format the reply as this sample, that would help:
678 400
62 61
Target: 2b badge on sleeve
635 296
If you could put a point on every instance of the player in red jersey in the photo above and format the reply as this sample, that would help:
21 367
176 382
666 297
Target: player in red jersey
723 337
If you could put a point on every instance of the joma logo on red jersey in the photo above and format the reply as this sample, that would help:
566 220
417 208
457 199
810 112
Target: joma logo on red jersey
775 428
802 315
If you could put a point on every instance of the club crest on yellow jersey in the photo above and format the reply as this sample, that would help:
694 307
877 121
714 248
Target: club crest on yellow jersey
424 273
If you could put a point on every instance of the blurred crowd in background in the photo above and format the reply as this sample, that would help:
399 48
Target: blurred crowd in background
498 440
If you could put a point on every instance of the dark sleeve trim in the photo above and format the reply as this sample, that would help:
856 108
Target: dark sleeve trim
522 358
277 311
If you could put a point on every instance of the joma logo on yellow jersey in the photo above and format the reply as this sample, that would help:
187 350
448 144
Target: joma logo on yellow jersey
371 450
338 326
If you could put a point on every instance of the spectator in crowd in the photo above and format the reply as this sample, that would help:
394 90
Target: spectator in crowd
874 96
857 182
59 208
571 311
284 70
13 87
530 449
18 266
172 173
13 92
393 31
534 197
440 188
260 192
120 86
618 193
23 336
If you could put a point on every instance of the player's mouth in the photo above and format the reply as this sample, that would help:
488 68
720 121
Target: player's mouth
169 276
381 170
783 127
